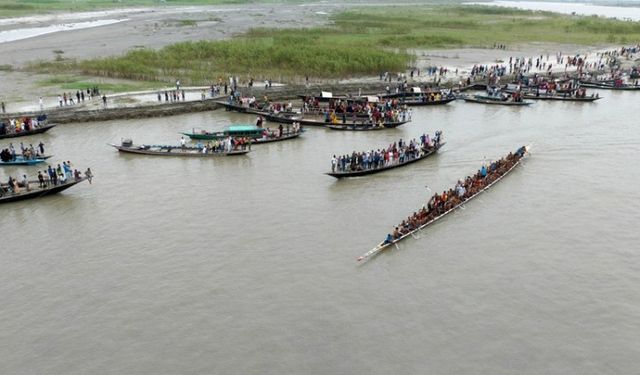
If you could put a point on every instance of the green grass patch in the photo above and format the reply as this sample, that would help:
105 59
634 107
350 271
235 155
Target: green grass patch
68 82
359 42
192 23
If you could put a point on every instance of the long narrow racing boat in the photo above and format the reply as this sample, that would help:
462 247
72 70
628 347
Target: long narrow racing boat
387 243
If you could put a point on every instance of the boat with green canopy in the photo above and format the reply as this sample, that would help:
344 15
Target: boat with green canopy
257 134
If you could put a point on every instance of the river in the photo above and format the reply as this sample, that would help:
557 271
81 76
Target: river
247 265
631 13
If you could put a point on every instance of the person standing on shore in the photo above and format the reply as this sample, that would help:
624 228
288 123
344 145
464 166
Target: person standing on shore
41 103
4 109
104 100
177 84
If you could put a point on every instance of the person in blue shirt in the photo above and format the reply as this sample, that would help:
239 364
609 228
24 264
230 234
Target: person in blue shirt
483 171
389 238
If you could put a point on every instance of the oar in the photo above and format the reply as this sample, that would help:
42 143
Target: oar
397 247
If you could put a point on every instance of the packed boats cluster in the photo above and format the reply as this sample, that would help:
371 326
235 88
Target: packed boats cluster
358 112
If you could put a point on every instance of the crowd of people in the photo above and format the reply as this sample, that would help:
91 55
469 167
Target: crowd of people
227 144
26 153
22 124
465 189
396 153
67 99
52 176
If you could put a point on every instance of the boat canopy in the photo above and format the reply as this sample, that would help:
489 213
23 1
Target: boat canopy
243 128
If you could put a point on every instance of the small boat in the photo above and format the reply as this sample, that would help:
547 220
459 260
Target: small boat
355 127
20 160
359 126
169 150
240 108
387 244
324 96
288 119
485 99
257 134
609 86
423 101
426 152
412 92
34 130
34 190
561 97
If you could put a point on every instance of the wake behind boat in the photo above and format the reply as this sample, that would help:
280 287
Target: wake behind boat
394 156
442 204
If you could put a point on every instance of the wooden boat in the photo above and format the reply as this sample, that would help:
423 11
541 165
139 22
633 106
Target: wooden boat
20 160
357 127
349 125
287 119
609 86
412 92
169 150
240 108
324 96
422 102
561 98
256 134
35 130
426 153
385 245
490 100
35 191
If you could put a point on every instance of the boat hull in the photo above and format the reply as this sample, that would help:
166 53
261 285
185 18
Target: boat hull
38 130
386 245
367 172
176 151
36 193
